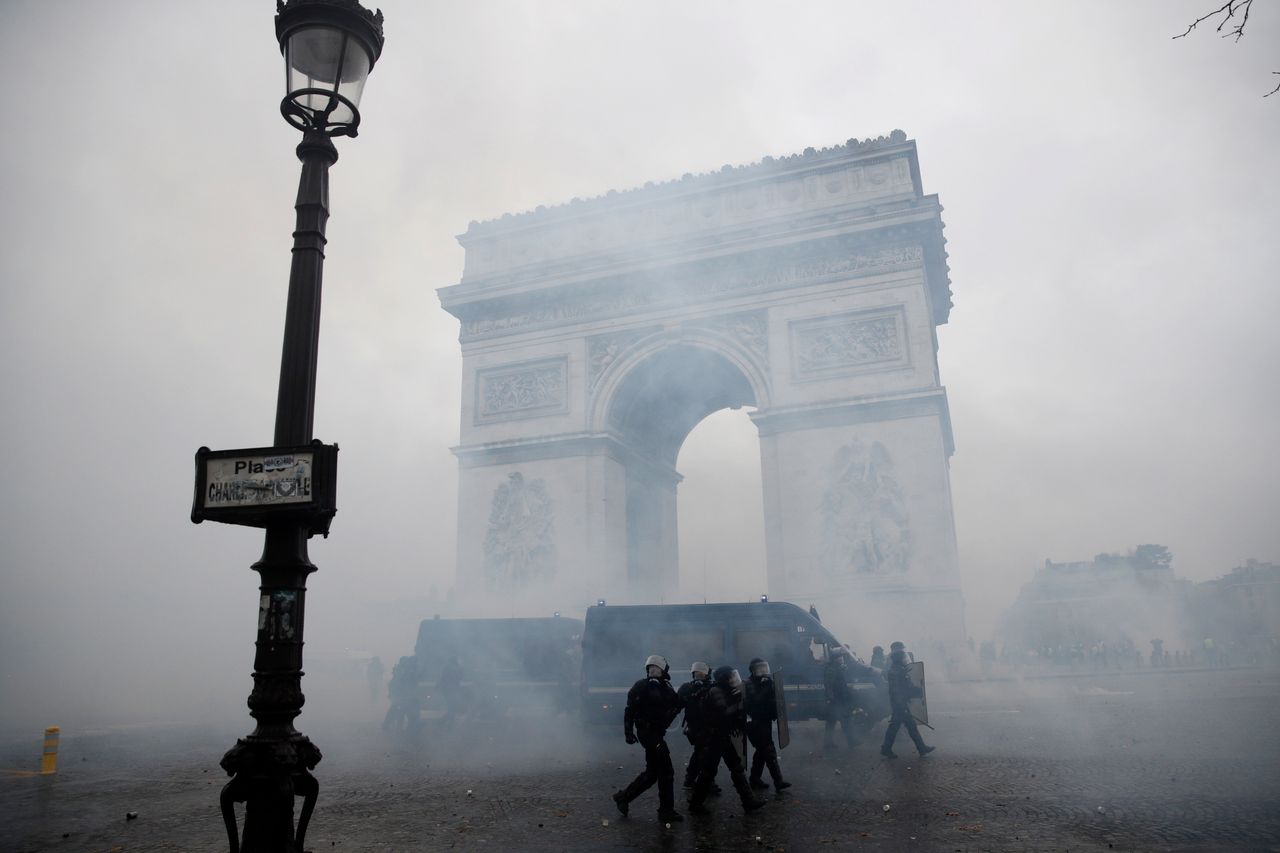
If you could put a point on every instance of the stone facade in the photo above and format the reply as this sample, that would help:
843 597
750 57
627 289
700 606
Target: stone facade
596 335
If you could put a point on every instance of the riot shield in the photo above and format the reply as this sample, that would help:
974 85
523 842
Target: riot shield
918 705
780 702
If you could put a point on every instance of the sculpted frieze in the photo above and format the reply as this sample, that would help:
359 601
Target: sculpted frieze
866 529
699 281
604 350
849 342
520 543
525 390
750 329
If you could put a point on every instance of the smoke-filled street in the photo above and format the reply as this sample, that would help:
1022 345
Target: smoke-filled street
1174 760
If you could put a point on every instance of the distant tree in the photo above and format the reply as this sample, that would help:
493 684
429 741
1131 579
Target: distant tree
1152 557
1234 18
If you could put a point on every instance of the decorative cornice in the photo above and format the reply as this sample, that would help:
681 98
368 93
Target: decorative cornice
727 173
564 446
859 410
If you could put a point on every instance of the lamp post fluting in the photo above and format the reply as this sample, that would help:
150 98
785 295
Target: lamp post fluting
329 48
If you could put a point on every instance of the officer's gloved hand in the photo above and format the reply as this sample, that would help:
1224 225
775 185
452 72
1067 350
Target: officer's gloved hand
631 737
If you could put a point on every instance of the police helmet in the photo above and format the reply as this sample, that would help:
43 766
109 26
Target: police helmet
897 646
758 666
699 668
659 661
726 676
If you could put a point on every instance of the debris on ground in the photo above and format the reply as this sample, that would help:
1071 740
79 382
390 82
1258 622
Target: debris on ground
134 815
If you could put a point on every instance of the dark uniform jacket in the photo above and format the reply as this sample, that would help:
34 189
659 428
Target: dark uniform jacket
901 690
651 706
691 694
723 710
762 705
834 678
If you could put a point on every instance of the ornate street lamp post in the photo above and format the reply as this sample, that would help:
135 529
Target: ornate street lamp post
329 48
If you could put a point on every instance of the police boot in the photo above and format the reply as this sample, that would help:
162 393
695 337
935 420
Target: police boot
749 801
620 800
758 784
775 770
670 815
886 748
925 749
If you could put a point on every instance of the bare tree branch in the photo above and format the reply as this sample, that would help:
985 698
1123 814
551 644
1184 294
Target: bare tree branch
1231 7
1235 13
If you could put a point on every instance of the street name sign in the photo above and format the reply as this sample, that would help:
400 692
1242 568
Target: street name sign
265 486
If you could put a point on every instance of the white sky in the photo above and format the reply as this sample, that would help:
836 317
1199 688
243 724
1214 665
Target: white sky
1111 360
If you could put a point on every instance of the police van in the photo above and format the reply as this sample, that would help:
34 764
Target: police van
527 664
616 641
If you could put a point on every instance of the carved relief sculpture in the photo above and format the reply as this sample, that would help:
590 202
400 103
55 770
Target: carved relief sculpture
604 350
519 546
751 329
521 391
849 342
865 527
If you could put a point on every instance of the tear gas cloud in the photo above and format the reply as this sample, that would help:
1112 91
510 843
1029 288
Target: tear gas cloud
1112 276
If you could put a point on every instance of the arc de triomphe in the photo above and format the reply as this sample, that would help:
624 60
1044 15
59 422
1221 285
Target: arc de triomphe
597 334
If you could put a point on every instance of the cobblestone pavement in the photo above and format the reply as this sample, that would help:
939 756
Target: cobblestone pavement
1147 761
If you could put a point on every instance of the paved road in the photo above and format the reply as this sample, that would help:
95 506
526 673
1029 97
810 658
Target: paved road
1153 761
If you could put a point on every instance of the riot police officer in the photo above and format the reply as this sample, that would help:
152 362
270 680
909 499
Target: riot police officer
725 716
691 693
405 712
835 678
762 712
651 706
901 692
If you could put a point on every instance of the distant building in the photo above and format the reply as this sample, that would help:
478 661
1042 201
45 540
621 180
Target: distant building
1240 611
1121 600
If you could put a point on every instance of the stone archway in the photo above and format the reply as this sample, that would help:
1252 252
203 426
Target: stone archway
596 335
660 390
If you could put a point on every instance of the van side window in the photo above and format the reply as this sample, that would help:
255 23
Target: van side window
774 646
818 650
683 647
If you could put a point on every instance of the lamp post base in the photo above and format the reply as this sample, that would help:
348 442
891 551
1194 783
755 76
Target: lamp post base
267 774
